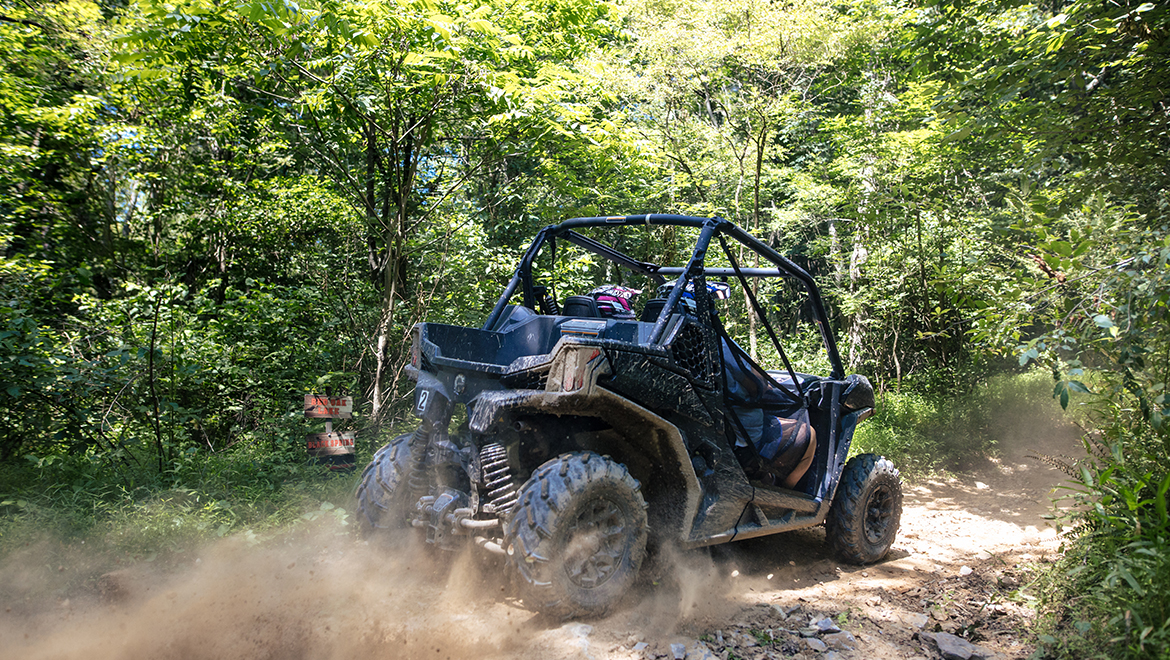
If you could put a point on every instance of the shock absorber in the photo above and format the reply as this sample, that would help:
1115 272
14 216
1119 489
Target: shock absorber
418 482
497 479
551 305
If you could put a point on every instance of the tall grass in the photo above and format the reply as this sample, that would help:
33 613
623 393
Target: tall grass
924 433
1109 595
129 513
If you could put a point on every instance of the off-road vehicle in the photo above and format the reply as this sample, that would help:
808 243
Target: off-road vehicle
572 440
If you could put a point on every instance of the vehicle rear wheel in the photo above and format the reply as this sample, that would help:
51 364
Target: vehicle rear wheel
383 491
863 520
577 535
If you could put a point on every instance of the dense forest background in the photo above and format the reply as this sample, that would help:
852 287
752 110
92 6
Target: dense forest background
211 208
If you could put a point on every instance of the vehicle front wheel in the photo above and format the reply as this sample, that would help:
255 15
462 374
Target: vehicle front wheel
383 491
577 535
864 518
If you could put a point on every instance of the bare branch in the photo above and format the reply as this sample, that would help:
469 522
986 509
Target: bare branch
22 21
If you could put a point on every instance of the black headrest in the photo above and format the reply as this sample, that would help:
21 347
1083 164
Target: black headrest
653 309
580 306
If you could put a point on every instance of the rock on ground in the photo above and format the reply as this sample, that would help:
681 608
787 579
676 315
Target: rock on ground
953 647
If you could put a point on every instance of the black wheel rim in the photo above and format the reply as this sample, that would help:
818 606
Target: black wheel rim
596 544
879 514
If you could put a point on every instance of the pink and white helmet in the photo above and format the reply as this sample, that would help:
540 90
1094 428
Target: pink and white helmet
615 301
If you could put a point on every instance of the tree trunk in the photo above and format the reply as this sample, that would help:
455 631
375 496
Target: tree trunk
385 324
856 332
761 141
397 185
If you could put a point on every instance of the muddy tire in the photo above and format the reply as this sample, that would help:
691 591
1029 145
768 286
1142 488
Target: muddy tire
863 520
383 492
577 536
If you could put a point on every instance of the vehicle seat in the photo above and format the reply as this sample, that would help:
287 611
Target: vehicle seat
778 450
653 309
775 441
580 306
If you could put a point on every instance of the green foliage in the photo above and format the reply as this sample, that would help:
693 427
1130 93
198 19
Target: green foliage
1108 309
209 209
52 79
1116 567
1067 89
40 377
399 104
204 496
923 433
141 374
1072 83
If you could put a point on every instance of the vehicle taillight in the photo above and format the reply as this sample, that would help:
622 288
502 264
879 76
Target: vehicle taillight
415 350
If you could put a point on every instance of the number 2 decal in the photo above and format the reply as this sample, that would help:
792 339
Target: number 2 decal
423 395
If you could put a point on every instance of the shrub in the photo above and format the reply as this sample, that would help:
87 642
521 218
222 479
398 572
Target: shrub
922 433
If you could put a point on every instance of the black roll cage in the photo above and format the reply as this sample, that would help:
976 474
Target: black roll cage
710 228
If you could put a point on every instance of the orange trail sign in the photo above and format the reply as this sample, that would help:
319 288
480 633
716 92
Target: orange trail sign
340 407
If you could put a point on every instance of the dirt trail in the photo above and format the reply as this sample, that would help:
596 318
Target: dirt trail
965 547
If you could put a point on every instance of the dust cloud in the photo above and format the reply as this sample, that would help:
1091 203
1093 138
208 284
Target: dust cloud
314 594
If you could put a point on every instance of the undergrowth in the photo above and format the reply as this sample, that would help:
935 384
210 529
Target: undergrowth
924 433
128 512
1109 594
